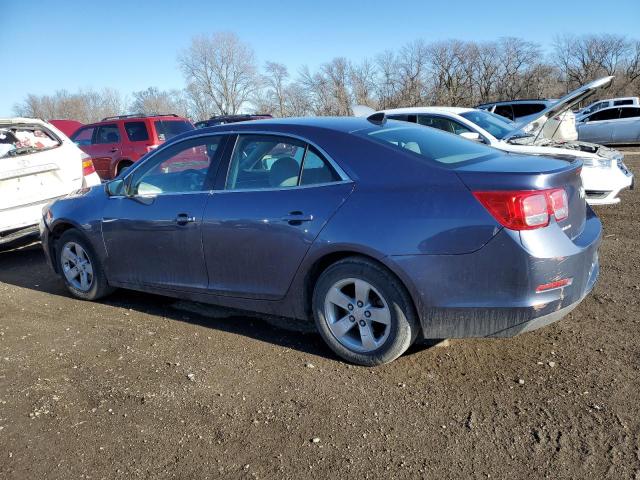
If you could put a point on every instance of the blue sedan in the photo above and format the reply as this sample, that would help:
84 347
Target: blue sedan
380 231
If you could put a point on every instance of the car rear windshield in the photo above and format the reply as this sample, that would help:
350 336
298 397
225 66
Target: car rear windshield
23 139
167 129
428 143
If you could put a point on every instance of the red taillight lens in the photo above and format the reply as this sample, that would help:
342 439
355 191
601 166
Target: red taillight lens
559 203
525 210
87 167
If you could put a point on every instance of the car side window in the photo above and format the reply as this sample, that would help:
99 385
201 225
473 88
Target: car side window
265 161
316 169
608 114
136 131
441 123
629 112
505 111
623 102
83 136
262 162
180 168
108 134
524 109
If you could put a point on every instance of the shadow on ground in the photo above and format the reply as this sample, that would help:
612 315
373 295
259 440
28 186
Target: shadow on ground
26 268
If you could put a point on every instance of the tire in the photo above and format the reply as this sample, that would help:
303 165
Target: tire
390 326
79 247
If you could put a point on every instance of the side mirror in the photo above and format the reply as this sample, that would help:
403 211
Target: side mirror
116 188
475 136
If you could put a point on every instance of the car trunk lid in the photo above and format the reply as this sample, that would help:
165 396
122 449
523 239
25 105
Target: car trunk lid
512 172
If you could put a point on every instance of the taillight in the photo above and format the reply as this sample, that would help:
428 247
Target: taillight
87 165
525 210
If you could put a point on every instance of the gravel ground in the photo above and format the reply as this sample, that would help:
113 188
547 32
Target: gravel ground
139 386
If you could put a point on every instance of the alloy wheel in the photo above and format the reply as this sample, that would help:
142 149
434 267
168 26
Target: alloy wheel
76 266
357 315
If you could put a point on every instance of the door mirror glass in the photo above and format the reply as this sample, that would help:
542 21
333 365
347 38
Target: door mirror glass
475 136
116 188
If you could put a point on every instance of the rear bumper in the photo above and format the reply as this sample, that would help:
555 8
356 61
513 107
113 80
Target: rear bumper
492 292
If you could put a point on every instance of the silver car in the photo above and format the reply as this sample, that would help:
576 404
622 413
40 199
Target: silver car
611 125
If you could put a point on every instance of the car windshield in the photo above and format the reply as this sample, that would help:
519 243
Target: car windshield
168 129
428 143
496 125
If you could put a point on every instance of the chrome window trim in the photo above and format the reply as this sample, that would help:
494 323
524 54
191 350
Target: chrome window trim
341 173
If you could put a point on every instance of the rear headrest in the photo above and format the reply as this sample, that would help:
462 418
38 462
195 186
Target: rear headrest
284 172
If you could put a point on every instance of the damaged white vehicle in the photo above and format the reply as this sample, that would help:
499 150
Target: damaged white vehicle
604 173
38 164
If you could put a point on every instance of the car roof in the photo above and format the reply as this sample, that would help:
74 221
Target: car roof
414 110
19 120
135 118
522 100
339 124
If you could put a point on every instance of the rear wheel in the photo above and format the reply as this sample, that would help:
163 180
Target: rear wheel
363 312
80 268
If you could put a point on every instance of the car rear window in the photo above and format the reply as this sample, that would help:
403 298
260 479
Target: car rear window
428 143
25 139
166 129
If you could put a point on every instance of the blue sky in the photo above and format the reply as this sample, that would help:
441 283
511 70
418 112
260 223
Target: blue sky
131 45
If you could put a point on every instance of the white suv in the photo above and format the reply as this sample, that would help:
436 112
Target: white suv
38 164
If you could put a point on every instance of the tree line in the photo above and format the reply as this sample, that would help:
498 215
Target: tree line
222 76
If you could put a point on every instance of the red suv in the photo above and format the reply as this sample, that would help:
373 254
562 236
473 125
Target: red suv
116 143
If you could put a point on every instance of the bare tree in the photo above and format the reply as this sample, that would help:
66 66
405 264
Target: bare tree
221 68
155 101
85 106
275 78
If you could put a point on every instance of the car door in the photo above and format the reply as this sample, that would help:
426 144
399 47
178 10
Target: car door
106 148
627 127
598 127
277 195
152 232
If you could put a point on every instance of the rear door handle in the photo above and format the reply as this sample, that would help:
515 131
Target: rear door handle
297 218
113 150
184 218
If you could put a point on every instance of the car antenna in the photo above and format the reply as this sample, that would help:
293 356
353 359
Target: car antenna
378 118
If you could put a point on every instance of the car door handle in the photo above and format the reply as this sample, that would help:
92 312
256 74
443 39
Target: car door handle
297 218
184 218
113 150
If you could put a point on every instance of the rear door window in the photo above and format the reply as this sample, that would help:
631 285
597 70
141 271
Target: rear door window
442 123
608 114
108 134
316 169
629 112
167 129
525 109
505 111
84 136
623 102
136 131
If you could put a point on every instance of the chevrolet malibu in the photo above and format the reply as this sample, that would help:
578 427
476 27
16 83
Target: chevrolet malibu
381 231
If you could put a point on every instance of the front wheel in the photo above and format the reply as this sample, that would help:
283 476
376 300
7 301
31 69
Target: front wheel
363 312
80 268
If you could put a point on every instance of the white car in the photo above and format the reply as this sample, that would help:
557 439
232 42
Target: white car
611 125
38 164
611 102
604 173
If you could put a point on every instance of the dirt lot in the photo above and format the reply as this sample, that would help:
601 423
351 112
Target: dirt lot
136 387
